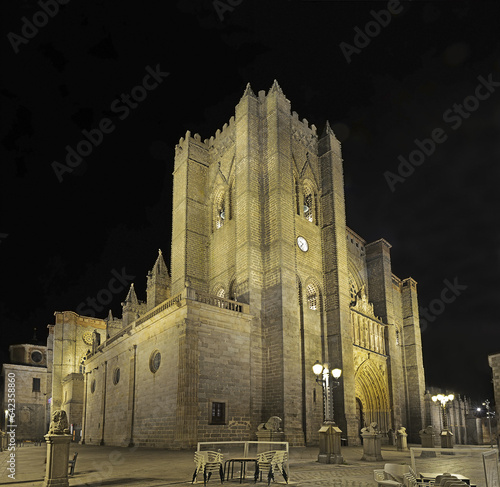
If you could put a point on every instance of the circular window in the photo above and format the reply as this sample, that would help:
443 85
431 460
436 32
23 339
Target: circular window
116 376
92 386
87 337
155 361
36 356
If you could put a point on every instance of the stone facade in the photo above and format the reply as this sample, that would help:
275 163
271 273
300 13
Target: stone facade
29 396
70 343
266 279
494 363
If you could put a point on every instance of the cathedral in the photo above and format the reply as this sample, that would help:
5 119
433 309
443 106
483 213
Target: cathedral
265 279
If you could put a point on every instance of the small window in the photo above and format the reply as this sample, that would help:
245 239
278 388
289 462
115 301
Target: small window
36 384
218 413
116 376
92 386
155 361
312 299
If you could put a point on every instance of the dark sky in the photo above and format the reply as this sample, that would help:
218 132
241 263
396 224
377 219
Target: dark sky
418 76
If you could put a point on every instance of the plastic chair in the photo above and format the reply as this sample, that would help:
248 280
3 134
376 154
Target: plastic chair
271 461
208 462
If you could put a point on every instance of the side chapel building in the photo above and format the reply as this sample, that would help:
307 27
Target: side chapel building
266 278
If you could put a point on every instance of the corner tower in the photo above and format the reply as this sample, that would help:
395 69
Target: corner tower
258 214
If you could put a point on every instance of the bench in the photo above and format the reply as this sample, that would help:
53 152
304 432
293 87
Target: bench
72 464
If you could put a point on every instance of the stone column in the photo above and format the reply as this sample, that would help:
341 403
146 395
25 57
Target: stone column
372 443
57 460
401 439
58 441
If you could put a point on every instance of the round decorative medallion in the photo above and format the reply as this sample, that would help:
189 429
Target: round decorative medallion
36 356
155 361
87 337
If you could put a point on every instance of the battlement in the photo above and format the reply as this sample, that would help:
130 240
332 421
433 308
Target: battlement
302 126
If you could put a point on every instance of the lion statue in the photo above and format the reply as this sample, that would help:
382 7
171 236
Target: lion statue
372 429
273 424
428 430
59 423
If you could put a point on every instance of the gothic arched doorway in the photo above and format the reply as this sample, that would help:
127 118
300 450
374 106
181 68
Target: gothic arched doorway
372 392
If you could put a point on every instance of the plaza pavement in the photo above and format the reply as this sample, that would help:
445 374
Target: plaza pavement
113 466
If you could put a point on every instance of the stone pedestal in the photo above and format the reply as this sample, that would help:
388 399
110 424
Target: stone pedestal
329 444
401 441
267 436
3 440
56 473
372 447
446 439
427 439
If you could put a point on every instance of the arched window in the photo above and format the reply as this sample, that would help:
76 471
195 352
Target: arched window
312 297
353 290
220 293
310 206
221 213
220 210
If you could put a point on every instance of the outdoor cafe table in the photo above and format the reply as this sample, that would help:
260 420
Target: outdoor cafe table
229 465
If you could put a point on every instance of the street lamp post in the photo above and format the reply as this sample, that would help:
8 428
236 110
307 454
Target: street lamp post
329 433
489 413
446 434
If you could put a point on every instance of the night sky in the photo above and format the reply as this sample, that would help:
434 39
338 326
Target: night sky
432 71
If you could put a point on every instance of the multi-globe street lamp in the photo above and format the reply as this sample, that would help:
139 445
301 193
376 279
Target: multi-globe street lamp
446 434
489 414
329 433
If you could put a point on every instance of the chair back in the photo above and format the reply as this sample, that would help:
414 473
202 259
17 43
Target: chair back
266 456
280 457
396 470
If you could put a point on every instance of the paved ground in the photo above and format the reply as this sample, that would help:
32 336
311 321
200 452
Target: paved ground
112 466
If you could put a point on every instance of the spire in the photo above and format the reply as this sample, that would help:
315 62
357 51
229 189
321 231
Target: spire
327 130
131 296
248 91
160 268
276 88
110 316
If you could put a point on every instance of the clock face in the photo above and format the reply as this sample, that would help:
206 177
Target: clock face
302 243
